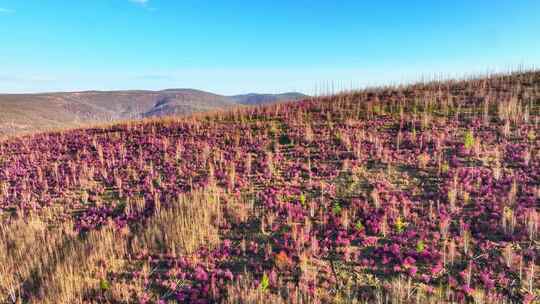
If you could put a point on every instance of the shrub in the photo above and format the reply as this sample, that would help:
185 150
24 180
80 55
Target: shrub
468 140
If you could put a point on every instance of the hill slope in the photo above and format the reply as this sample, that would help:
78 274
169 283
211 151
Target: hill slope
427 194
32 112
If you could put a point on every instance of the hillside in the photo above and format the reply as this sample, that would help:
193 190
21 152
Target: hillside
34 112
428 193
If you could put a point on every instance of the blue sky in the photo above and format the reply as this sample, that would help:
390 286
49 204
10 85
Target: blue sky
234 47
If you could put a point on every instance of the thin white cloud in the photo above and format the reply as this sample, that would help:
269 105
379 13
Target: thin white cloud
140 2
26 79
5 11
144 4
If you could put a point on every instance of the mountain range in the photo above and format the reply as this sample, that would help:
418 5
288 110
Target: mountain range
20 113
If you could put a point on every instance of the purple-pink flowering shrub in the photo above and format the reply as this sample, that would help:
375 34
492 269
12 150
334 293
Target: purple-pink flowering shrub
428 193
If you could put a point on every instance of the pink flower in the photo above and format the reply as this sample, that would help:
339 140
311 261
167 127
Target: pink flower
370 241
436 269
200 274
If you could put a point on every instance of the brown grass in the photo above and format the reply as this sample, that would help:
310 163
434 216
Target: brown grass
41 264
53 264
186 226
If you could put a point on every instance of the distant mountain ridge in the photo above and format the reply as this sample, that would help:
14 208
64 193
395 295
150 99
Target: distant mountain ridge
34 112
257 99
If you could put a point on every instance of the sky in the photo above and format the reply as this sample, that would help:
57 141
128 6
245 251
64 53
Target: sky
233 47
